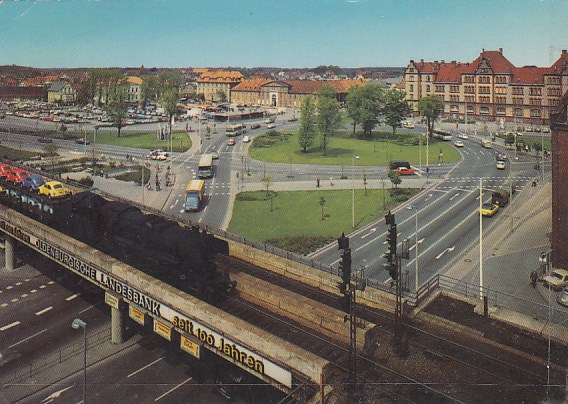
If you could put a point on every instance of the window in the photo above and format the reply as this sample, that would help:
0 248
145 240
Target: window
484 100
468 79
554 91
535 113
484 79
484 111
454 89
501 79
500 111
427 78
500 100
536 91
428 88
518 112
469 89
554 102
517 90
439 89
410 78
500 90
454 108
517 101
411 88
535 101
553 80
469 109
441 96
454 98
469 98
484 90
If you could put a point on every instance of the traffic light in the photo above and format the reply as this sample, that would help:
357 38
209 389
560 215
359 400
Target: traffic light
393 271
345 269
343 242
391 241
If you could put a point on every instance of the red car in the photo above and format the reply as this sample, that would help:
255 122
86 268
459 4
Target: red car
4 170
16 175
404 171
231 142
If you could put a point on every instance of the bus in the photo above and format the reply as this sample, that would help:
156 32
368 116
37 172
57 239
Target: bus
438 134
205 166
235 129
194 195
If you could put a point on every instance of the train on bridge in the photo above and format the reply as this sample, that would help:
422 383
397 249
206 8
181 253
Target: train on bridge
181 256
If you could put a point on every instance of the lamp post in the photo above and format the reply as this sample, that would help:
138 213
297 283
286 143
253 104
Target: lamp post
76 324
353 191
415 208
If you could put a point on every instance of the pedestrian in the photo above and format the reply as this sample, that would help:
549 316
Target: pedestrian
317 182
534 277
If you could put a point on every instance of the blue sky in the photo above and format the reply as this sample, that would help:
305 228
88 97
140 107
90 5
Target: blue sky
283 33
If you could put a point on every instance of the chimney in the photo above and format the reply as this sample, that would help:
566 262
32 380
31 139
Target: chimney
421 60
564 51
443 61
501 51
482 50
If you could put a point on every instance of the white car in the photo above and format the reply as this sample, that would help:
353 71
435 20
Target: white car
463 136
271 126
458 143
408 125
500 164
246 139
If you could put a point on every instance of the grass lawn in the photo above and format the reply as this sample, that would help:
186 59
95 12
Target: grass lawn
15 155
282 147
295 222
141 140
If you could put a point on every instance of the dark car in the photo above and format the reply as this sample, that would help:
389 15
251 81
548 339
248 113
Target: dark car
33 182
45 139
293 119
82 141
255 126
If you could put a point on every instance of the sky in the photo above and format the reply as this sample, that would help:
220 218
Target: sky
277 33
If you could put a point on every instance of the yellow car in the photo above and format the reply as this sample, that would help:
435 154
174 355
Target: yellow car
53 189
489 209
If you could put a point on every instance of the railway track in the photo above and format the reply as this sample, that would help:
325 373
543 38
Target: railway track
465 368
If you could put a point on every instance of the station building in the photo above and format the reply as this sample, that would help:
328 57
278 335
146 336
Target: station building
490 87
211 83
286 93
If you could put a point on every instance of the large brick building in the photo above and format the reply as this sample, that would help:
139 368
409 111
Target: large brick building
286 93
212 83
490 87
559 126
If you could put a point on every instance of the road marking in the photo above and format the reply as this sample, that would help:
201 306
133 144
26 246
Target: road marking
374 229
55 395
72 297
8 326
429 196
39 313
3 304
181 211
477 199
25 339
145 367
14 300
24 295
388 280
419 242
169 391
50 282
452 198
445 251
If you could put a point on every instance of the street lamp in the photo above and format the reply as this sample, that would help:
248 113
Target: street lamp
353 193
76 324
415 208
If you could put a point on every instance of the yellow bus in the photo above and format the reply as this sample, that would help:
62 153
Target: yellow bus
194 195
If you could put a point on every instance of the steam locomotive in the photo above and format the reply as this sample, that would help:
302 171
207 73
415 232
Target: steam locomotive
181 256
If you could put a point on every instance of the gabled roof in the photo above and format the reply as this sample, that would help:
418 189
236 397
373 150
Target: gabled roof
560 64
529 75
221 76
134 80
496 60
252 84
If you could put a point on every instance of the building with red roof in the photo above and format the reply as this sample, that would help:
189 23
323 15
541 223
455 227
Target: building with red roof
490 87
286 93
212 83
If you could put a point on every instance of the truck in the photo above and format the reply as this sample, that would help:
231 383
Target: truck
193 195
501 197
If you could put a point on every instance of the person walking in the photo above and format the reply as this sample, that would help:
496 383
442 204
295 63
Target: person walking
534 278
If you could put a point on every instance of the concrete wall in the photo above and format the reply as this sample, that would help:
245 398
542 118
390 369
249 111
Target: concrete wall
308 275
256 339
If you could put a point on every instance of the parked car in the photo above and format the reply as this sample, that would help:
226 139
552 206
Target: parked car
293 119
557 279
408 125
255 126
44 139
53 189
246 139
16 175
33 182
404 171
562 298
271 126
463 136
82 141
4 170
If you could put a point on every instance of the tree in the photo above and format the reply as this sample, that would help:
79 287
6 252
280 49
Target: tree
395 108
171 79
150 89
394 178
307 129
267 180
169 101
430 108
116 107
322 204
221 95
365 105
328 118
